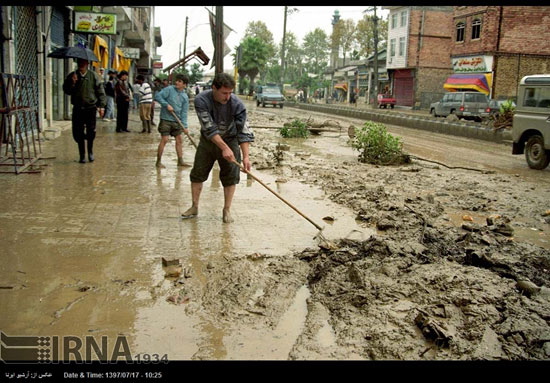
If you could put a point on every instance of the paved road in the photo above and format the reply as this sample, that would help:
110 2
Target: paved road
450 150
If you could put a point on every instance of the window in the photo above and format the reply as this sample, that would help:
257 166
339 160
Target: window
537 97
476 29
394 21
392 47
403 18
401 46
460 32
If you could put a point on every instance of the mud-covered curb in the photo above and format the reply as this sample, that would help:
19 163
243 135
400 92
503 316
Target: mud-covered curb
459 128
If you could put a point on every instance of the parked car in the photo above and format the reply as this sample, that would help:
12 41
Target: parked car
467 105
531 123
385 100
269 95
494 106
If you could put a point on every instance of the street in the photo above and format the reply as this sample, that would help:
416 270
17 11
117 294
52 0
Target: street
85 244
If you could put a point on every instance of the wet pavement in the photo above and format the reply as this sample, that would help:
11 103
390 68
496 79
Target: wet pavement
83 243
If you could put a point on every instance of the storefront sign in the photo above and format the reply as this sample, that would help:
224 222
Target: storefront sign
89 22
383 76
472 64
145 71
130 53
157 65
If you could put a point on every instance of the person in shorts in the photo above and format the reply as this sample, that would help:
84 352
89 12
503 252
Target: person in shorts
224 134
173 99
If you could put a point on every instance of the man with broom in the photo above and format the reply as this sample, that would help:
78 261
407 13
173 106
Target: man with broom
224 134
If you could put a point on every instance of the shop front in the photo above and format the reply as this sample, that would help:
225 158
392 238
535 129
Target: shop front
403 85
471 73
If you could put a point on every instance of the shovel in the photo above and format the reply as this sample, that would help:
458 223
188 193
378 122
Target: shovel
324 243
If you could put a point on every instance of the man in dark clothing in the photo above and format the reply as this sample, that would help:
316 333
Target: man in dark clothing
87 96
224 130
122 95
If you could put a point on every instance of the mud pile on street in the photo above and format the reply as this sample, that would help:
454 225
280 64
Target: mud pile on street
447 276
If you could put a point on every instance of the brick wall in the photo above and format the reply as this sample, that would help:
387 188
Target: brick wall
526 30
429 86
511 69
435 48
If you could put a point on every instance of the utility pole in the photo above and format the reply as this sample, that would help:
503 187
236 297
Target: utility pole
185 39
283 50
219 40
375 27
287 12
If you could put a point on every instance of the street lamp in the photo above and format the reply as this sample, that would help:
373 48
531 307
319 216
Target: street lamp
375 22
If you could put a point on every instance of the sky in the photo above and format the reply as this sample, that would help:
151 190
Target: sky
171 21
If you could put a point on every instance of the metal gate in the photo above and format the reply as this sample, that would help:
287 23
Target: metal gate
26 58
19 98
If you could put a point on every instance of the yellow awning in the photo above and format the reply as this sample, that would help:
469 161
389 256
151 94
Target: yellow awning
120 62
101 50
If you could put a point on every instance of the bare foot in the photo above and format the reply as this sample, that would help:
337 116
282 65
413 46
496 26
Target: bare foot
190 213
159 165
227 216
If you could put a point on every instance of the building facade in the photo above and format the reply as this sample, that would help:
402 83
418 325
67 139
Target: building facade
28 30
418 57
504 42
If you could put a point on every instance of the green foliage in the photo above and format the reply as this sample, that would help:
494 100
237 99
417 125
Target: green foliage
296 129
376 145
196 73
244 84
507 107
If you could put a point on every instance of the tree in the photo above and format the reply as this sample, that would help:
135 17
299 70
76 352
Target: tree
259 29
195 75
316 49
365 35
347 35
293 57
254 58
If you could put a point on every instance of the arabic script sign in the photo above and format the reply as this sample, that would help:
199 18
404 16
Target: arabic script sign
470 64
89 22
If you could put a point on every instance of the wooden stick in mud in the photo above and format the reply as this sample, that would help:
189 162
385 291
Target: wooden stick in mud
257 179
277 195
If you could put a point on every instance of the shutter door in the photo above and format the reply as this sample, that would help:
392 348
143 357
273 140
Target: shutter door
404 91
58 28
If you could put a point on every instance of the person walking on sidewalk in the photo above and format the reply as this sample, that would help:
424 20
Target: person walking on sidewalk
87 96
157 87
224 130
110 93
122 95
135 94
145 100
174 99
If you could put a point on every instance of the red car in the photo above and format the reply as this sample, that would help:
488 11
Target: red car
385 100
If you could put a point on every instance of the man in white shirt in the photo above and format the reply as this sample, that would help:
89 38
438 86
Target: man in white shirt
145 101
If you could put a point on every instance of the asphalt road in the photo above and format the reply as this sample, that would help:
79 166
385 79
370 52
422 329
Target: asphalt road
447 149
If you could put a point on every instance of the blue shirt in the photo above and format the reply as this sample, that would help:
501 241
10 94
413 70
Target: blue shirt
178 100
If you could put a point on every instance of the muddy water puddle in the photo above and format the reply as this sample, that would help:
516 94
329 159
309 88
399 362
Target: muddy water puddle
264 227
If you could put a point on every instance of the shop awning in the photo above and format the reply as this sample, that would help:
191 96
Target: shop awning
101 50
480 82
342 86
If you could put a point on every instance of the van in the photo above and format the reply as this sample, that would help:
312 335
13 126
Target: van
467 105
531 123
